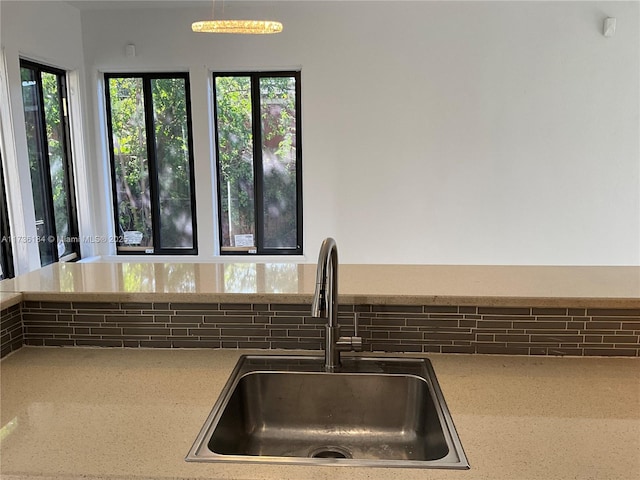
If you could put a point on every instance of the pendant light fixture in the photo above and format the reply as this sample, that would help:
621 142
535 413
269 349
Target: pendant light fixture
235 26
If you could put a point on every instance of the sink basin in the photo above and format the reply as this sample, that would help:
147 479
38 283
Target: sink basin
376 411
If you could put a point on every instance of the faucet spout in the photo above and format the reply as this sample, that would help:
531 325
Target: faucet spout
325 305
325 298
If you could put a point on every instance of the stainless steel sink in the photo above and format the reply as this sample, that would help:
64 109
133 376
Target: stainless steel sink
375 412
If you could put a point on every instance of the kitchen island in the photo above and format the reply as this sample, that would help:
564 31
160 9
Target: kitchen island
90 413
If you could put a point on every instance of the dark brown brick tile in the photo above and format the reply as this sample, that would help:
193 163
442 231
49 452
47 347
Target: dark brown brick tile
254 344
615 319
442 309
202 332
575 326
511 338
538 351
323 321
194 306
11 322
96 342
470 310
379 335
128 318
503 311
449 336
29 330
136 306
602 325
552 326
39 317
613 312
307 333
195 344
228 319
196 319
565 351
154 343
286 321
622 339
56 305
405 335
395 347
431 324
95 306
282 307
396 308
303 345
557 338
243 332
549 311
507 318
59 342
382 321
611 352
467 323
483 324
504 350
104 331
458 349
145 331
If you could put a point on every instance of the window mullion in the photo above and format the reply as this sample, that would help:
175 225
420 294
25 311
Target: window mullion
154 189
68 163
46 173
258 170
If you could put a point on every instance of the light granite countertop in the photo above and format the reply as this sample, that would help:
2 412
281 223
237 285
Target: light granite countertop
539 286
75 413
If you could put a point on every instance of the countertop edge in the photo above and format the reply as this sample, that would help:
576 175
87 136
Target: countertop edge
345 299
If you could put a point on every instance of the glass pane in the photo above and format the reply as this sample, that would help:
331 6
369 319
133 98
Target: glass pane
172 161
235 161
33 124
55 144
278 116
6 259
131 161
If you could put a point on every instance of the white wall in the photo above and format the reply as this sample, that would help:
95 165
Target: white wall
433 132
49 33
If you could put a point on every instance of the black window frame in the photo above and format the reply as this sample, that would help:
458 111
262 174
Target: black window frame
147 77
257 162
6 252
45 182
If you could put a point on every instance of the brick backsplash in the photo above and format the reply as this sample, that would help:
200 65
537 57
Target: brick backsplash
388 328
11 337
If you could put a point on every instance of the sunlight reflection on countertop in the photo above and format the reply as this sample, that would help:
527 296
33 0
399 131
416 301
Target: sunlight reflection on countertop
616 287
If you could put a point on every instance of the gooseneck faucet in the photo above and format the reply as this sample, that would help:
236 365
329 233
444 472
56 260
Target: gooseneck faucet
325 305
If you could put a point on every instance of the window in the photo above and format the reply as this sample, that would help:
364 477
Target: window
6 259
44 95
259 162
149 121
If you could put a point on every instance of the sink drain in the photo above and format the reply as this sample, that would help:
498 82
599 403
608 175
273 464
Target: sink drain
330 452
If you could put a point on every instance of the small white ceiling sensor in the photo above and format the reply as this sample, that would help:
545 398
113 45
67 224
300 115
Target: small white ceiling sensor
609 28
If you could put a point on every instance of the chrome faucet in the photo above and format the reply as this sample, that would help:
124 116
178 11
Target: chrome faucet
325 305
